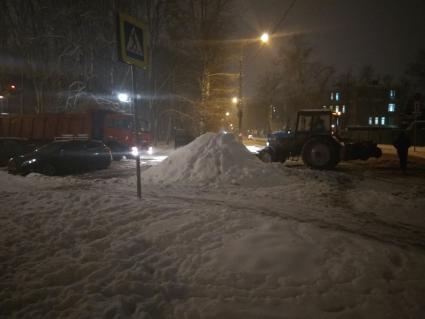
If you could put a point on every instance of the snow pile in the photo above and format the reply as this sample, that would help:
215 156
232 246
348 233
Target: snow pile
214 158
12 183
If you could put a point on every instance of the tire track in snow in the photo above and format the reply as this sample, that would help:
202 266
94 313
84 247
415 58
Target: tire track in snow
371 227
364 223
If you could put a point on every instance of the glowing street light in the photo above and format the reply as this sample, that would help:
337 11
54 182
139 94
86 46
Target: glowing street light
265 38
235 100
1 97
227 113
134 151
123 97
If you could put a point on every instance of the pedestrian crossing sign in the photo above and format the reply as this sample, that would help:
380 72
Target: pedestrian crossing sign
132 41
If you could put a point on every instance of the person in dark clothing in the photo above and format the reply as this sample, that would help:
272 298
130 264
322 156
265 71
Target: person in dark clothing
402 144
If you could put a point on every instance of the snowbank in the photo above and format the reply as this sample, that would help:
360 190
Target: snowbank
12 183
214 158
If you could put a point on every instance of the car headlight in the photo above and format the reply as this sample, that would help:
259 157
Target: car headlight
134 151
29 162
150 150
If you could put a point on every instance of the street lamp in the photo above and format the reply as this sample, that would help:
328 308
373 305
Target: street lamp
227 113
264 38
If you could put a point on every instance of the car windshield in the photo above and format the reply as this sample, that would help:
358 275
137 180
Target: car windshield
49 148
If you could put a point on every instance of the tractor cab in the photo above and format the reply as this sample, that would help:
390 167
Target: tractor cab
314 122
310 123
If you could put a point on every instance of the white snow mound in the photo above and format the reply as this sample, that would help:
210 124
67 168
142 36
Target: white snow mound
214 158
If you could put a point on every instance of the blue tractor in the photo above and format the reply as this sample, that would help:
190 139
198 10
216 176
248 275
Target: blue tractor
316 142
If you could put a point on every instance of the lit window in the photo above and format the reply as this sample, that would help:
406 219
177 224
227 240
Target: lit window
383 120
337 108
391 107
337 96
392 94
376 120
343 109
370 120
332 96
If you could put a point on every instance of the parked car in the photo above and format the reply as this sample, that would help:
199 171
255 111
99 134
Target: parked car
61 157
13 146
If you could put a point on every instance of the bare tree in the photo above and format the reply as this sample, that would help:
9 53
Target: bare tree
66 53
198 29
67 50
298 81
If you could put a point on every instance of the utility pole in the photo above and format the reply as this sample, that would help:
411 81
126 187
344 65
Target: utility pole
240 105
264 39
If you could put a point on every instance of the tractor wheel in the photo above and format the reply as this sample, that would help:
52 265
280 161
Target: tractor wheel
320 154
266 156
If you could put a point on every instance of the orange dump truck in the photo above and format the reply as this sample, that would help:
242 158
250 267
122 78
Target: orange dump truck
115 129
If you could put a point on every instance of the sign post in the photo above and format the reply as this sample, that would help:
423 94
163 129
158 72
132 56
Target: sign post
132 36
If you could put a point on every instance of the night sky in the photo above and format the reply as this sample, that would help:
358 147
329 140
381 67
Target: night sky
347 34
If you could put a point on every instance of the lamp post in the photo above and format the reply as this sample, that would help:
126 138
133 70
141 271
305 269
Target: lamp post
264 39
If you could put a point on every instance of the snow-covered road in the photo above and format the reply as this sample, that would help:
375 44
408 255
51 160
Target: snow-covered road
341 244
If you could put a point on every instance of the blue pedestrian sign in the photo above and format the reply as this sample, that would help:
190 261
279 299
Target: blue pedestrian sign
132 41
